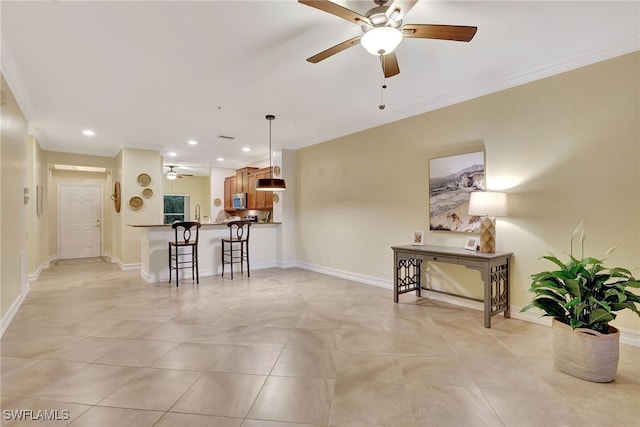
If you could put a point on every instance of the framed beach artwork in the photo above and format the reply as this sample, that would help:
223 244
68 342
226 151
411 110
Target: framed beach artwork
452 179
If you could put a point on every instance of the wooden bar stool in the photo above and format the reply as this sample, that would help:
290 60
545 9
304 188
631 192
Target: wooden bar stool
236 247
183 250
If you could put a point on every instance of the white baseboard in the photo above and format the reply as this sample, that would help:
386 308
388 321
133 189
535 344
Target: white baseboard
627 336
347 275
125 267
630 337
13 310
33 277
208 272
287 264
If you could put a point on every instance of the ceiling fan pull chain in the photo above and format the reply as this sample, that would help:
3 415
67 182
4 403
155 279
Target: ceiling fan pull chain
383 84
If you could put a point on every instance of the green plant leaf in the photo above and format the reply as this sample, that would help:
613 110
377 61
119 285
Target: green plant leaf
549 306
632 297
573 286
621 306
600 316
633 283
624 271
619 296
554 260
551 293
594 302
575 323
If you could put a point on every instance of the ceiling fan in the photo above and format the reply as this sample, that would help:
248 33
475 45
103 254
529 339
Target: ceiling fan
383 30
171 174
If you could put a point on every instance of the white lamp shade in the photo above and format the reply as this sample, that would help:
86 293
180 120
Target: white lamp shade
488 203
172 175
381 40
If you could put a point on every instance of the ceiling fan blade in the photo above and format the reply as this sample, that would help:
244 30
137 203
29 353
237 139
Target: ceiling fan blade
390 64
458 33
337 10
335 49
400 7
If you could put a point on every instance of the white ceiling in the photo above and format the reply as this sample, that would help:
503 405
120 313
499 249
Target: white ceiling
154 74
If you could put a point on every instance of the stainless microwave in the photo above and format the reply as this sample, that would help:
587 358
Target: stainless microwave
239 201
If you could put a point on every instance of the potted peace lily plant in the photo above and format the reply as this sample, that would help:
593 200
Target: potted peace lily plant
582 296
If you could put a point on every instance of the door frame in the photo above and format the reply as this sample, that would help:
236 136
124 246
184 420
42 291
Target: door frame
59 222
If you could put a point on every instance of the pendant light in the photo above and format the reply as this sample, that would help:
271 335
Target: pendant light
271 183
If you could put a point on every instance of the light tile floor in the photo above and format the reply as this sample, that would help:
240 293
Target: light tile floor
284 348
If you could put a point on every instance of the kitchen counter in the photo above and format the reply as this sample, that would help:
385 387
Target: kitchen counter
154 268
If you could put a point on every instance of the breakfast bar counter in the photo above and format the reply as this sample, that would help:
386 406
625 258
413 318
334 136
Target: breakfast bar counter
154 266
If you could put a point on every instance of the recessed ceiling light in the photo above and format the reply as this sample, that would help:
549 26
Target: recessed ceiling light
88 132
193 142
220 159
246 149
171 154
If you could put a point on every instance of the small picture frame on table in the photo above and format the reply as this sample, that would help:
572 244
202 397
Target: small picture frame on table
418 238
472 244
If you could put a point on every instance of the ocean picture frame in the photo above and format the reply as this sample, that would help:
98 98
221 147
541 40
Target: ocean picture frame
452 179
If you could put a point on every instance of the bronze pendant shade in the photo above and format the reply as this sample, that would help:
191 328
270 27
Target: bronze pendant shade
271 183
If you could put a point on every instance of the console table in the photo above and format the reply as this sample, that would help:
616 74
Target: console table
494 269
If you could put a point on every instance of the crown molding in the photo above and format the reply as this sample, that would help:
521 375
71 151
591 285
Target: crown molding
14 80
579 60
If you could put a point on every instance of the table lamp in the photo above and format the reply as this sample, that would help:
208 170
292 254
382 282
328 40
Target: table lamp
488 205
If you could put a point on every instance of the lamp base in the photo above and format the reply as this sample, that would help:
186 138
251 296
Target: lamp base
488 234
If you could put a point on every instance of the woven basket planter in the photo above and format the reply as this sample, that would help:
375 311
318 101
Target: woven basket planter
584 353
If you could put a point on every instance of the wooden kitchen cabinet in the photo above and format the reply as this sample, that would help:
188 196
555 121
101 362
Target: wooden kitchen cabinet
229 191
242 179
239 183
261 200
252 193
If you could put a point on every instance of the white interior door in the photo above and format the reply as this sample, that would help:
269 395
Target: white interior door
79 213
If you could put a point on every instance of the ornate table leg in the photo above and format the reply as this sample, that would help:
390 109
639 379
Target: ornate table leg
406 277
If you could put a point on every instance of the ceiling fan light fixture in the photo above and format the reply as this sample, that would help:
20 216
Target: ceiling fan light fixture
171 175
381 40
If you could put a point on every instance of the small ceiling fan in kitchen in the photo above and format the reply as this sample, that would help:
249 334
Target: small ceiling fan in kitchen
384 30
171 174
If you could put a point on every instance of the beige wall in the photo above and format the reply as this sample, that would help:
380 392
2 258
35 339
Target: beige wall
564 148
135 162
14 217
197 187
116 217
38 255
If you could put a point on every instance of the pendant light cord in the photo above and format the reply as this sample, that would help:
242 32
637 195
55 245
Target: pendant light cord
270 117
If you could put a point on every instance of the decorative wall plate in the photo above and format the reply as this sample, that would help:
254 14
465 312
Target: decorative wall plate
116 196
217 202
276 170
135 203
144 179
276 198
147 193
